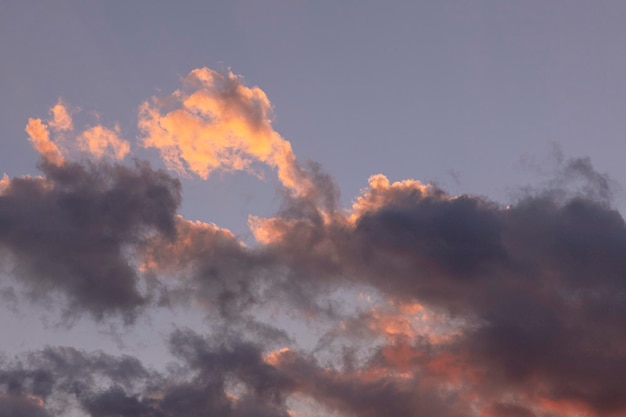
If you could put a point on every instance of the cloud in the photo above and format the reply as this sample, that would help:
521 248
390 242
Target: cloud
61 118
210 265
41 382
214 123
98 141
72 230
21 406
475 308
103 385
39 136
366 391
539 284
4 183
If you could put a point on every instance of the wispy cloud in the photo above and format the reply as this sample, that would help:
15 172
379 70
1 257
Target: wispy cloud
98 141
39 135
61 119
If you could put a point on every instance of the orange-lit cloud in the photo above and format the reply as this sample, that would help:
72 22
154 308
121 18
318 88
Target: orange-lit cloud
39 136
381 191
401 355
4 183
393 325
194 240
97 140
61 120
270 230
274 357
215 122
100 141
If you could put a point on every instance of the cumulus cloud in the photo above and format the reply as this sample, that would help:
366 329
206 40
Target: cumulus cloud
98 141
71 230
216 122
61 119
539 284
210 265
418 302
4 183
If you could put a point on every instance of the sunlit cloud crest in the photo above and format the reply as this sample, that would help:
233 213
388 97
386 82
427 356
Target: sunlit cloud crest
215 122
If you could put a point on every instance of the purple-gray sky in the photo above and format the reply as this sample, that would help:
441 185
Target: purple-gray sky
216 203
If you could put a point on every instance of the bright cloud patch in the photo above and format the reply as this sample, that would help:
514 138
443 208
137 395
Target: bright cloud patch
97 141
100 141
39 135
215 122
412 302
61 120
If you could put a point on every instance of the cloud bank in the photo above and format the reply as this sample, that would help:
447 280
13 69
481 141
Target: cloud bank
420 303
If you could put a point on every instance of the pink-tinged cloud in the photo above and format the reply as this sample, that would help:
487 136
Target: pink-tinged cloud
100 141
5 181
193 239
39 136
215 122
61 119
381 191
97 141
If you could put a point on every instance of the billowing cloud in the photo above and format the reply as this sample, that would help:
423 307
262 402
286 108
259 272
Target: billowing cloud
73 229
538 283
227 378
209 265
21 406
98 141
369 390
215 122
416 302
61 119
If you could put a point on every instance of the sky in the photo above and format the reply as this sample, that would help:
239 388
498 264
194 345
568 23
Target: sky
282 208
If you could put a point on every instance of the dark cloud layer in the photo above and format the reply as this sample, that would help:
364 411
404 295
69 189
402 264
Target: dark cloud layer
538 287
541 284
73 229
42 383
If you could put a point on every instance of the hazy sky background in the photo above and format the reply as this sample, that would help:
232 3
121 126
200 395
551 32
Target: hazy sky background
452 92
479 97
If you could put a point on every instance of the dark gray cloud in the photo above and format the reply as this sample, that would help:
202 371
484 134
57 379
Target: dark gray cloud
525 304
19 406
72 230
540 283
226 377
369 390
208 265
46 379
